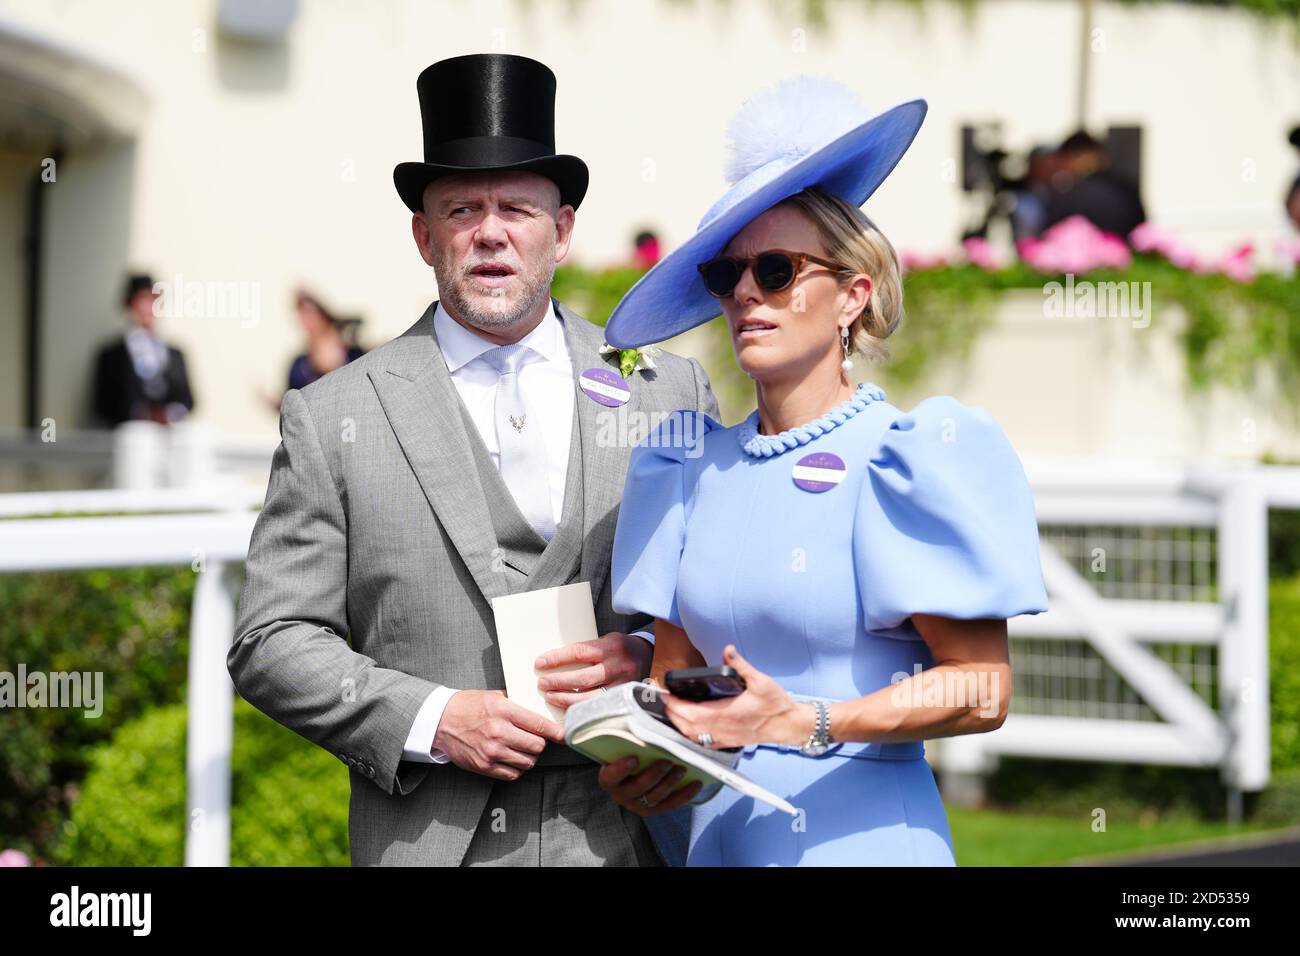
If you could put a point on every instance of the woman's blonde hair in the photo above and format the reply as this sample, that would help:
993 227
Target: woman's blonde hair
851 238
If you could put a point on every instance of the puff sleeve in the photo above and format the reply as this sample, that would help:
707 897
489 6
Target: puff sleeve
945 523
651 526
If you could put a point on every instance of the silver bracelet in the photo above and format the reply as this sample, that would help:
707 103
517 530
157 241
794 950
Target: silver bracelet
819 740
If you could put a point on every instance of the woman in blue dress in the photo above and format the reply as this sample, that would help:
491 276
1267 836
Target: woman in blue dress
854 562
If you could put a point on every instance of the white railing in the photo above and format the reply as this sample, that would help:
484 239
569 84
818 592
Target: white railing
189 496
1228 618
145 455
1231 502
213 545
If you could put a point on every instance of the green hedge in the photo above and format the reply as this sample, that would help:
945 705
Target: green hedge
820 14
1232 329
130 625
1284 673
289 798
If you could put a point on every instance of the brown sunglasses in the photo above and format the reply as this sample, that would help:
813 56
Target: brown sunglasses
774 270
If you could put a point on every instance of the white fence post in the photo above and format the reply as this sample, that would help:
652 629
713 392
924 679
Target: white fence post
964 765
210 728
1243 651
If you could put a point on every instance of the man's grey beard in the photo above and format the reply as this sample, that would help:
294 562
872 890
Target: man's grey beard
466 305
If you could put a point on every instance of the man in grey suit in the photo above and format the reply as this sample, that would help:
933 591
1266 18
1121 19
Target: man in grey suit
469 458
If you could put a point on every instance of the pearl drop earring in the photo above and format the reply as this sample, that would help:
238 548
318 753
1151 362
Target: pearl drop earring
847 365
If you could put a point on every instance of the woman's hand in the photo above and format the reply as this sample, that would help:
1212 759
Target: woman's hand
763 714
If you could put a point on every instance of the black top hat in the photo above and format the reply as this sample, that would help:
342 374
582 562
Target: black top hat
136 283
488 111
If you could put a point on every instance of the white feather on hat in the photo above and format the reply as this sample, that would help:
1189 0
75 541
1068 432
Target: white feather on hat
789 120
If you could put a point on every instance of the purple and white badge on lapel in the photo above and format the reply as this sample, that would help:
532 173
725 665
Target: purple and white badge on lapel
818 472
605 386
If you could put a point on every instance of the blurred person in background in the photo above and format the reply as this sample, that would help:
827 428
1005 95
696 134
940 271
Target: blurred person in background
328 342
1293 202
331 344
139 376
645 250
1029 212
1293 194
1083 184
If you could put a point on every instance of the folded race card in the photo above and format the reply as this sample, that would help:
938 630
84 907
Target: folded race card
533 622
631 720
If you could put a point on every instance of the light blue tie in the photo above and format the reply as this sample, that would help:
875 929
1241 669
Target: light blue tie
522 446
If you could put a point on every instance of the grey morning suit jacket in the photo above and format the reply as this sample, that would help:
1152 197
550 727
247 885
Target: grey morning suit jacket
377 526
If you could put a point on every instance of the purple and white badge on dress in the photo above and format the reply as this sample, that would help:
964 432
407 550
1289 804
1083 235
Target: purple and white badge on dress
605 386
818 472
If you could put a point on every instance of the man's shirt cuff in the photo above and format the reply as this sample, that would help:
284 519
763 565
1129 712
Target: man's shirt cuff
419 742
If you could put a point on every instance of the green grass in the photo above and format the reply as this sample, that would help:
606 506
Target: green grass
1002 838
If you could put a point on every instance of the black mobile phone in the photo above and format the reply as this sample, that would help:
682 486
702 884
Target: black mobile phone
704 683
651 702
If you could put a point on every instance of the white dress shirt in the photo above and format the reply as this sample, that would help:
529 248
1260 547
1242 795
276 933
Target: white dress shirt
148 353
149 358
546 381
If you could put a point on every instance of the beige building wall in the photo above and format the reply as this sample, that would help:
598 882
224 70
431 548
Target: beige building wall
87 255
269 167
1109 386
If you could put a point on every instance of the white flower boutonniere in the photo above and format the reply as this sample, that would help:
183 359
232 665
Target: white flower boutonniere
629 360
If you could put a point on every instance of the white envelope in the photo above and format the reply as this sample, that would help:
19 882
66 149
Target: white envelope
531 623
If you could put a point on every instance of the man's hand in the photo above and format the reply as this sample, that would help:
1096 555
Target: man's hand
482 731
656 784
610 659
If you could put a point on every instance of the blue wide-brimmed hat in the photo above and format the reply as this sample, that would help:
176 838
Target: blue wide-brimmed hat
803 132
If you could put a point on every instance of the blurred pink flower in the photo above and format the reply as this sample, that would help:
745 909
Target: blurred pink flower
923 260
982 254
1288 250
1235 264
14 858
1148 238
1075 246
